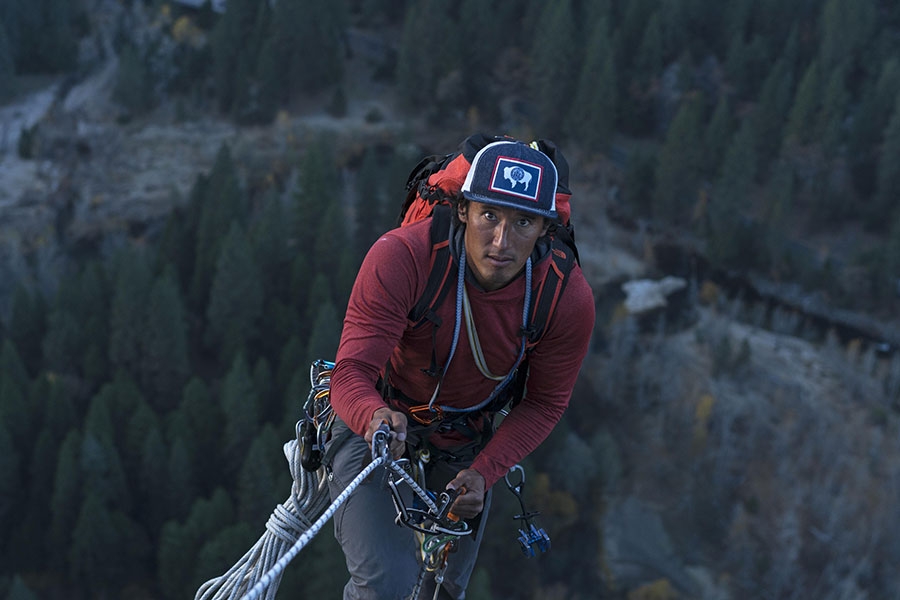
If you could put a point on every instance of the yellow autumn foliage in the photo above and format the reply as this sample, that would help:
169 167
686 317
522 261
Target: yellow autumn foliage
660 589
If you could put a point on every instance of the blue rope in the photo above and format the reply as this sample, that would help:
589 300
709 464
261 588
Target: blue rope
502 385
460 289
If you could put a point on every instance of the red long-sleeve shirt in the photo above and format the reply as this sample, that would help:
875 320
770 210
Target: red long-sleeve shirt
391 280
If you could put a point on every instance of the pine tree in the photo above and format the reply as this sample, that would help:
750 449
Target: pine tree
7 66
165 365
291 361
94 539
805 109
154 485
847 28
868 124
258 490
93 314
240 405
181 483
65 502
60 344
128 321
25 545
18 415
679 165
593 116
892 255
768 118
313 28
178 242
269 237
222 202
730 239
250 106
11 479
221 549
553 68
134 83
56 404
326 332
27 325
883 206
370 202
270 410
232 30
717 136
141 425
57 45
102 472
418 73
648 62
831 118
19 590
204 422
235 304
640 173
475 17
330 243
174 561
318 180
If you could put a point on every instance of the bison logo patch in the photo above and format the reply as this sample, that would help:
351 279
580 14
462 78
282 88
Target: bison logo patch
516 177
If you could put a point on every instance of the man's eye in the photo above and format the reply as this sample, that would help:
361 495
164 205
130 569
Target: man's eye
525 222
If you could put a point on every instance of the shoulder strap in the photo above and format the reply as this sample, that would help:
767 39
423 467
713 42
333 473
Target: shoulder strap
440 267
417 182
563 257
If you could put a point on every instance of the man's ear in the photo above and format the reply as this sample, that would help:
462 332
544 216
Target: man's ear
462 211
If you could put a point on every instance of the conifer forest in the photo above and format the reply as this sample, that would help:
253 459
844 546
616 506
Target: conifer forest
742 443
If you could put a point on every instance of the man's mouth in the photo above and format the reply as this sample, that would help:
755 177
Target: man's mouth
499 261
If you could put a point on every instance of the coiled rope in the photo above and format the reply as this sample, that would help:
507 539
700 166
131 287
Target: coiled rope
288 530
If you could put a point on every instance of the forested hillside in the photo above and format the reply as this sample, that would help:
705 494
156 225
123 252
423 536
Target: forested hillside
155 339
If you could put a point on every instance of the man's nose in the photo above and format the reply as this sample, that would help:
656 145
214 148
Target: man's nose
501 234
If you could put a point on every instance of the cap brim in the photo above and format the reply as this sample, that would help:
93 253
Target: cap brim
551 214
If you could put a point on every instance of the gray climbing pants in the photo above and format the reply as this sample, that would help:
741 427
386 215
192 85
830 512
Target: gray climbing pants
383 557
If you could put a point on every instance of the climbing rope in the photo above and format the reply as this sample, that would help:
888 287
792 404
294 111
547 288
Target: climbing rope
263 565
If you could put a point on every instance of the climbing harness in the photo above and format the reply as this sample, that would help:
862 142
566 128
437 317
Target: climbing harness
530 538
431 412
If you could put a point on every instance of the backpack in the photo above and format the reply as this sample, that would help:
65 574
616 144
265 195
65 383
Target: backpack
431 185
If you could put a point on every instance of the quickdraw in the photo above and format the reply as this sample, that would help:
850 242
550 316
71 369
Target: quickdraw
314 430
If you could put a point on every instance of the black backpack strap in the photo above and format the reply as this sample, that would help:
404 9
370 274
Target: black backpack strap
563 257
417 181
440 280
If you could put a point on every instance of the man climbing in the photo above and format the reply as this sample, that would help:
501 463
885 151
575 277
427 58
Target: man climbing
437 382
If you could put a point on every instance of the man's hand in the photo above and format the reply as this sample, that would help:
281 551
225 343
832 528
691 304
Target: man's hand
471 501
397 422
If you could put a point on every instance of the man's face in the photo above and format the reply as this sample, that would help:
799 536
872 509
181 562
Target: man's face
498 241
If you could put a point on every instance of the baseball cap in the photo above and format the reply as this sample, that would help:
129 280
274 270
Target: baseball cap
513 174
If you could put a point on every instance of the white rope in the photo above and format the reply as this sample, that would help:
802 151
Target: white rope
283 527
290 527
275 571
